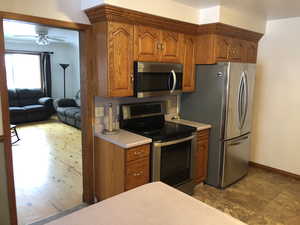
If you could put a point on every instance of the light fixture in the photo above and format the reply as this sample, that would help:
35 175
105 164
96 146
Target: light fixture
42 40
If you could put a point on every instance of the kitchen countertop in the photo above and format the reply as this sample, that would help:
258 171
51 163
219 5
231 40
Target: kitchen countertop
150 204
125 139
199 126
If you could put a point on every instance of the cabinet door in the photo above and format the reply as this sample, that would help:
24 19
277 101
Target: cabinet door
146 43
236 50
251 51
222 48
201 162
171 44
137 173
201 156
120 59
189 56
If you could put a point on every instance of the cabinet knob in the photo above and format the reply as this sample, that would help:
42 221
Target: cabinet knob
137 153
138 174
131 78
159 46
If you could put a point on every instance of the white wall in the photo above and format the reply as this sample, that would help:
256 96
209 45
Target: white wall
63 53
165 8
276 129
67 10
243 18
210 15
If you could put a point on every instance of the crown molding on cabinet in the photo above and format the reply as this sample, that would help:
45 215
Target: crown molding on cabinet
228 30
113 13
107 12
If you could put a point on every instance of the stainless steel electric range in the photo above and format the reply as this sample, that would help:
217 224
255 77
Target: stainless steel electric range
173 147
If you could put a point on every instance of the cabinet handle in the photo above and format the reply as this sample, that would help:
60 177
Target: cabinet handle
137 153
131 78
158 46
162 47
138 174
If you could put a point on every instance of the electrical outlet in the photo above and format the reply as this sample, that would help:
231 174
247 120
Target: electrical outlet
99 111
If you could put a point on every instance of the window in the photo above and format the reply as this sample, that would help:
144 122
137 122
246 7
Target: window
23 71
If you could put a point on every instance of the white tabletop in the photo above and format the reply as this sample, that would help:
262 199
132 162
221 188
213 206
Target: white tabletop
150 204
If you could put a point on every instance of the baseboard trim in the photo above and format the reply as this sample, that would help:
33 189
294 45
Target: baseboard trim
282 172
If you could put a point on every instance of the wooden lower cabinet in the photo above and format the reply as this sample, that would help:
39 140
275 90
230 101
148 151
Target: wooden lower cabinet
137 173
118 169
201 156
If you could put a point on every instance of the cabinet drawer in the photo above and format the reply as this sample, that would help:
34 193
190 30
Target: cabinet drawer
137 153
137 173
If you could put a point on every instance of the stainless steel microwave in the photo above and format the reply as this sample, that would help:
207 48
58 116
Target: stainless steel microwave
157 79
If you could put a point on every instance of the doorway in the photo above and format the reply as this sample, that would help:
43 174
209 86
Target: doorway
85 182
44 107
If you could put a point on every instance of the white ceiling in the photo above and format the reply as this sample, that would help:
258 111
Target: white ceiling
272 9
13 28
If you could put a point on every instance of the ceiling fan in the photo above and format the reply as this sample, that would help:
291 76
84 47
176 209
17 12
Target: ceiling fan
41 37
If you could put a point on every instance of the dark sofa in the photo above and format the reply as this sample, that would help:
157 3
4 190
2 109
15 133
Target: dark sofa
29 105
68 111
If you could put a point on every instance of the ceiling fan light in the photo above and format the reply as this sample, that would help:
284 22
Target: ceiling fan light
42 40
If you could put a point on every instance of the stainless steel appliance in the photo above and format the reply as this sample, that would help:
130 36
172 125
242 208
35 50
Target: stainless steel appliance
224 99
173 146
156 79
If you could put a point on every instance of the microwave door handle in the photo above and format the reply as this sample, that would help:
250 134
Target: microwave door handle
169 82
174 80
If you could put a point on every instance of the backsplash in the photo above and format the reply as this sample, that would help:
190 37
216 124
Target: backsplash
101 121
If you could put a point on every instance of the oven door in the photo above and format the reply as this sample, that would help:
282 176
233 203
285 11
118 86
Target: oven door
173 161
156 79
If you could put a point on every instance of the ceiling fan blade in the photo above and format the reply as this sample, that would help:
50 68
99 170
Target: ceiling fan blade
24 36
55 39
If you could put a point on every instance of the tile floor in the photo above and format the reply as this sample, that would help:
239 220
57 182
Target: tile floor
261 198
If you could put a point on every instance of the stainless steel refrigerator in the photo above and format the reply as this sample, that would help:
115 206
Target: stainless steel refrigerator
223 98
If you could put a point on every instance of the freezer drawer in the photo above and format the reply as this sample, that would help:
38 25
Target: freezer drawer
236 158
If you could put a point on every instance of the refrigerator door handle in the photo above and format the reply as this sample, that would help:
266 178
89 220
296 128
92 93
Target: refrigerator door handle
239 104
245 101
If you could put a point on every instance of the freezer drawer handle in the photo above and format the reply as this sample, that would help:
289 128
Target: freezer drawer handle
235 143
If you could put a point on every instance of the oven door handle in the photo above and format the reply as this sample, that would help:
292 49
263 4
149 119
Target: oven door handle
162 144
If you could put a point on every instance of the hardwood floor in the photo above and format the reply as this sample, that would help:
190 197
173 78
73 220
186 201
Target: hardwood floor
261 198
48 169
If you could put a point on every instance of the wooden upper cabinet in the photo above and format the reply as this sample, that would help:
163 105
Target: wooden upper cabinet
171 43
154 45
236 50
120 59
251 51
189 56
222 48
146 43
214 48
